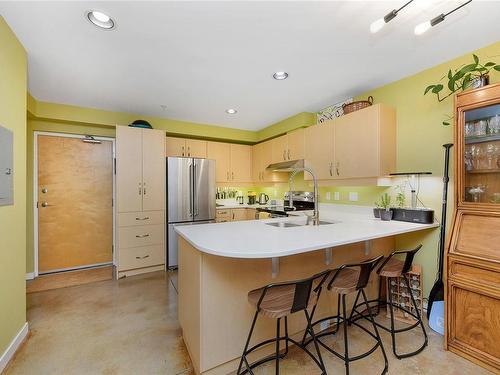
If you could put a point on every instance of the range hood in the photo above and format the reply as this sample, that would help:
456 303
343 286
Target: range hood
286 166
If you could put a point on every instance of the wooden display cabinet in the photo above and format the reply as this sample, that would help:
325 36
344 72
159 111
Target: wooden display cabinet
473 256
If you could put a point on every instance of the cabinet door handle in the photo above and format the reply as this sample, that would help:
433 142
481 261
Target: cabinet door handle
142 218
233 215
337 169
331 173
227 174
284 154
288 154
143 257
142 235
232 176
140 189
182 150
189 150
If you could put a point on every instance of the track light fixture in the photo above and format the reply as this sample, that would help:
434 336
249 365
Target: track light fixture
380 23
424 26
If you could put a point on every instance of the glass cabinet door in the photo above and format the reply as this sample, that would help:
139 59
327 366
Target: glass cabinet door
482 155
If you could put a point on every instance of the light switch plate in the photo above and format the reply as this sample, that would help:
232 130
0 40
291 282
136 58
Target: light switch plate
328 196
353 196
336 196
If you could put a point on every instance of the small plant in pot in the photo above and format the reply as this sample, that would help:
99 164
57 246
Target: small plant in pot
376 210
385 204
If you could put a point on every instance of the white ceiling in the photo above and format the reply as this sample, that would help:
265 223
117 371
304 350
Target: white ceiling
200 58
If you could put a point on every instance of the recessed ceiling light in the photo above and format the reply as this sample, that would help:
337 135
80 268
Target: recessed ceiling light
280 75
100 19
231 111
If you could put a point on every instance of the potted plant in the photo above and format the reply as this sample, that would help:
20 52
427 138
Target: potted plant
400 196
471 75
376 210
385 204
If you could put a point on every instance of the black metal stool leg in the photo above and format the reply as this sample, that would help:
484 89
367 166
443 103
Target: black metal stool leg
278 346
377 334
391 311
346 340
315 340
286 337
244 355
354 306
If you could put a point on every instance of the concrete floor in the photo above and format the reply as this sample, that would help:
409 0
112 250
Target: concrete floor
130 327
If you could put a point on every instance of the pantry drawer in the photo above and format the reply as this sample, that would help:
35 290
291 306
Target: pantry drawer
128 219
144 235
139 257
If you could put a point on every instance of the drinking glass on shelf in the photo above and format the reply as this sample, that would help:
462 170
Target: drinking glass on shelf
477 156
494 124
480 128
476 192
468 159
469 129
490 154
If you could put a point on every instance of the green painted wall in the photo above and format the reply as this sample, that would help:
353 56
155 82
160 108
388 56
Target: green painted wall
299 120
13 218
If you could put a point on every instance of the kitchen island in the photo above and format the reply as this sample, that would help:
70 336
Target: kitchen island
220 263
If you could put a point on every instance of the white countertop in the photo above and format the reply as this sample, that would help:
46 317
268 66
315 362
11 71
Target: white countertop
255 239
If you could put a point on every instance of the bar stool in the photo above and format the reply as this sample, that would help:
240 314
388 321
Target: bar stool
278 301
395 268
348 279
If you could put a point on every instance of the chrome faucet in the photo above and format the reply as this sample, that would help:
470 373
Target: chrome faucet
315 217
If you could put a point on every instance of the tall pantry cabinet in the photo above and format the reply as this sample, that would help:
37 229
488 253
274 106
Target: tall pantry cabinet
140 193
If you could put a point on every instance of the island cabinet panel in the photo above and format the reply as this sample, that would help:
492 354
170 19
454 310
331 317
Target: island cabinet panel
473 256
319 150
214 312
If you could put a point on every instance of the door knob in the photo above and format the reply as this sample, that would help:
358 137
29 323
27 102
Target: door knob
45 204
44 190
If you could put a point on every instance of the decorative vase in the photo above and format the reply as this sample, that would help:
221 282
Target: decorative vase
479 82
376 212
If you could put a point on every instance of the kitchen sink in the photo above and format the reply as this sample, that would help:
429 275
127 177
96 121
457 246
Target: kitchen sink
287 224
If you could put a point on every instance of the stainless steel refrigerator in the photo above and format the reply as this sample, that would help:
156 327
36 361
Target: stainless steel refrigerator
190 198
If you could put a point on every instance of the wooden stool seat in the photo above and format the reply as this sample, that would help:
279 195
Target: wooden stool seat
393 268
278 301
346 282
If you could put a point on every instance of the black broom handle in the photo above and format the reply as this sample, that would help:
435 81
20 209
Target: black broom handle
442 238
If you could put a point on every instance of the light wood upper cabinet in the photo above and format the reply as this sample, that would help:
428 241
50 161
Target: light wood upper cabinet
279 149
233 161
128 169
221 153
365 143
296 144
288 147
319 150
175 147
262 156
196 148
241 163
140 169
182 147
153 170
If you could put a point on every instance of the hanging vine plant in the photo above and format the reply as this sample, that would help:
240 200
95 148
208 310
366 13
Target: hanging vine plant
472 75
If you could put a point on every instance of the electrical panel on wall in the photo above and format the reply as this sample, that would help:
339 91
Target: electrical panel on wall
6 167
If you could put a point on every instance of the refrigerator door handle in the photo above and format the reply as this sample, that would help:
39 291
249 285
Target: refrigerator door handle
195 195
191 190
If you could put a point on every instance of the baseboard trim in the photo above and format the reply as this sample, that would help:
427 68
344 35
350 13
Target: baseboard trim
30 275
12 348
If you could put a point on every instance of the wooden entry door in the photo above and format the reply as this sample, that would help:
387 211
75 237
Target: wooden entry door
75 212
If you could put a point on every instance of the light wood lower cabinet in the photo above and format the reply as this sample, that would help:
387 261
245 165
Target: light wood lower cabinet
235 214
140 257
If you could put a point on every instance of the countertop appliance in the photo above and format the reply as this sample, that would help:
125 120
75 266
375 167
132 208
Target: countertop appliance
263 198
190 198
302 201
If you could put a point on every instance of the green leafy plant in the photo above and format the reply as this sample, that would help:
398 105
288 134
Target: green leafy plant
400 196
461 79
385 201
